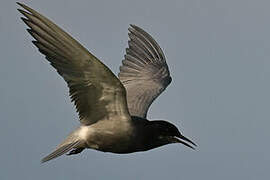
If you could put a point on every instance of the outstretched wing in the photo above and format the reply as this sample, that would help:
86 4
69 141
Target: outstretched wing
144 71
97 93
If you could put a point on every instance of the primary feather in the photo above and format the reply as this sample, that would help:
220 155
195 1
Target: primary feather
95 90
144 71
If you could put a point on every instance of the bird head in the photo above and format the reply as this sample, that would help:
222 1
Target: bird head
167 133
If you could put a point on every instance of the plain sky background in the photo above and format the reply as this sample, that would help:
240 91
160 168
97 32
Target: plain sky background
218 52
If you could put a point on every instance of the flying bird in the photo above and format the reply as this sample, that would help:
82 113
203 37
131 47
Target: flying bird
112 111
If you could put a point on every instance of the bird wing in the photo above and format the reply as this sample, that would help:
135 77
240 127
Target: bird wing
97 93
144 71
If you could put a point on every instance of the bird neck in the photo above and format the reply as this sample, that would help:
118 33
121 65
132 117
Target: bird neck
146 134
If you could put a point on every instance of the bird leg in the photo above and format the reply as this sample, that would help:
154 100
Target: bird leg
75 151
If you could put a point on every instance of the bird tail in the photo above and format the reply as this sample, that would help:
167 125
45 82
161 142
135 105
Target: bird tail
68 144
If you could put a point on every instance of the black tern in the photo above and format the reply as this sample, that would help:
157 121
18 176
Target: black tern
112 111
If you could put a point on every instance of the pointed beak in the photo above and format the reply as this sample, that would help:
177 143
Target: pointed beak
184 140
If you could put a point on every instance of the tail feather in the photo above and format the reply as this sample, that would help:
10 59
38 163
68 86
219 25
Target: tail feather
60 151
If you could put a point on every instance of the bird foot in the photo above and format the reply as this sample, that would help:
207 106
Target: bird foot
75 151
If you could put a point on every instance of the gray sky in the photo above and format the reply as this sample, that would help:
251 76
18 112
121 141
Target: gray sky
218 53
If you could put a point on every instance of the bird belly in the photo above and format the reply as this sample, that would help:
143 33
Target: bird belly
108 141
108 136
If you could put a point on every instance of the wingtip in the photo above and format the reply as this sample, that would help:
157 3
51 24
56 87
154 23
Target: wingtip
30 10
133 25
22 12
132 28
30 31
25 20
20 4
135 28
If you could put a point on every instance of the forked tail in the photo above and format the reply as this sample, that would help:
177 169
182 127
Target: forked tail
60 150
